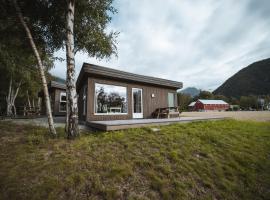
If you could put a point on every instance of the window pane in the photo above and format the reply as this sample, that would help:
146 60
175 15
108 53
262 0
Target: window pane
110 99
63 97
84 99
171 99
63 106
137 101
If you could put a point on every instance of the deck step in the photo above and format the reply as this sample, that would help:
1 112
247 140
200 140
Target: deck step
138 123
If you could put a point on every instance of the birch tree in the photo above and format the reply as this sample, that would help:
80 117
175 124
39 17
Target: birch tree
87 28
72 107
11 97
83 30
17 76
40 67
13 59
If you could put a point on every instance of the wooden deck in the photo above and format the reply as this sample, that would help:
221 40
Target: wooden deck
136 123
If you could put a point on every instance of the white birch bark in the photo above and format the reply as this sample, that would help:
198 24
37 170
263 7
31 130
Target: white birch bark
11 97
72 106
28 100
14 98
39 105
8 99
40 67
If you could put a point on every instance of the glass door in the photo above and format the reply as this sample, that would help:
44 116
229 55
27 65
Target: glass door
137 106
171 99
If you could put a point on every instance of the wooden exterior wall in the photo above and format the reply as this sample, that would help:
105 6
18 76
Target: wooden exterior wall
149 103
55 102
80 103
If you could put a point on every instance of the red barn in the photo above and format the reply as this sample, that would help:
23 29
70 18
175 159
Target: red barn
210 105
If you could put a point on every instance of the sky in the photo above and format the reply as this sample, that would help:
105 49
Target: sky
198 42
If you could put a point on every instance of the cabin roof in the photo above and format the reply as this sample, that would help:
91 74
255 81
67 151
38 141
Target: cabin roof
192 103
55 84
207 101
105 72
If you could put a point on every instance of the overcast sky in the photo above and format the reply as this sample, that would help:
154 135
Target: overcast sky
198 42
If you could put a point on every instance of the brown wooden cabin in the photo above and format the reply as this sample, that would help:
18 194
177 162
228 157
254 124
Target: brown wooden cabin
57 92
110 94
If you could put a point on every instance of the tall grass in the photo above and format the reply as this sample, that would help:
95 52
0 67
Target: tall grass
203 160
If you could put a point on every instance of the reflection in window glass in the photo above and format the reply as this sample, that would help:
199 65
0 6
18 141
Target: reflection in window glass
137 100
171 99
110 99
84 99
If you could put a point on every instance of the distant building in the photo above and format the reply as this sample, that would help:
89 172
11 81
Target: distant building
191 106
57 92
209 105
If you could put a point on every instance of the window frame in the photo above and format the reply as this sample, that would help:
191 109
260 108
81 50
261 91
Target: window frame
95 99
84 98
61 101
173 95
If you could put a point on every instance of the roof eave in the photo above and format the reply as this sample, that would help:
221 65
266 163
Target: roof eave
54 84
121 75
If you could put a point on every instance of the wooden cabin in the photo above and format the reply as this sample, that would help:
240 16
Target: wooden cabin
110 94
57 92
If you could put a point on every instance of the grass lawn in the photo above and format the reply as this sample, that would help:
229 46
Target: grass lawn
202 160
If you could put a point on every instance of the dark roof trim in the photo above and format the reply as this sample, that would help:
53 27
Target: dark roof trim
100 71
54 84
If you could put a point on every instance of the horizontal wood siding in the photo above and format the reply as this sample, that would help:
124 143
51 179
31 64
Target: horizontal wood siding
149 103
80 104
57 102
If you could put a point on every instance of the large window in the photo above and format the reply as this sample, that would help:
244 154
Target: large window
110 99
63 102
171 99
84 99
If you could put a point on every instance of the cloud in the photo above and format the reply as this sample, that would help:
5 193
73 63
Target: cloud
201 43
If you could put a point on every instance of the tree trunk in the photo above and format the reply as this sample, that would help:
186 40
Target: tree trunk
24 110
39 105
28 100
33 104
14 96
72 107
8 99
40 67
14 110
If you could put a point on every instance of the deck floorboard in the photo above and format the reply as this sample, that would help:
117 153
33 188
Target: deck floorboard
137 123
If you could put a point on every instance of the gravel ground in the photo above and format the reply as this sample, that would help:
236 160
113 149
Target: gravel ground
239 115
42 121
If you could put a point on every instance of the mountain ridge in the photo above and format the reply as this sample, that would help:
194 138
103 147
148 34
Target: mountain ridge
251 80
192 91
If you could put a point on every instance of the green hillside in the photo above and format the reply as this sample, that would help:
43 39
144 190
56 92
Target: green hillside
252 80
